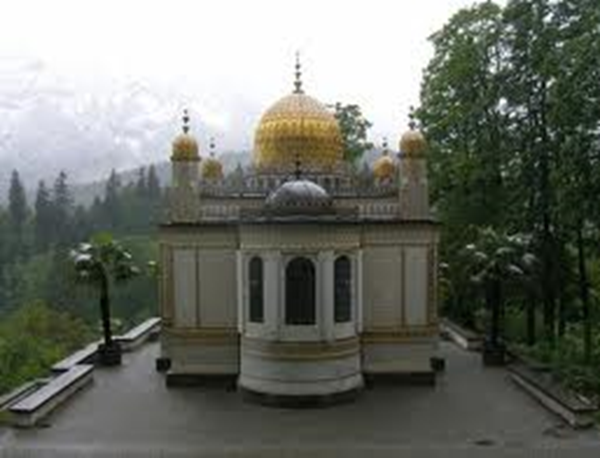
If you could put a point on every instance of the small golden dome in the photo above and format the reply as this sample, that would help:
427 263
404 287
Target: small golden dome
298 128
384 167
212 169
185 146
413 144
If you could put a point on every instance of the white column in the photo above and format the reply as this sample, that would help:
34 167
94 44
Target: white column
272 302
241 291
326 296
358 281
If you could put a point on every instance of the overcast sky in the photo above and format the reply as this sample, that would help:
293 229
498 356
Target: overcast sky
226 59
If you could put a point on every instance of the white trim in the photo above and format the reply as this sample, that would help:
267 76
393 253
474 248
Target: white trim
241 291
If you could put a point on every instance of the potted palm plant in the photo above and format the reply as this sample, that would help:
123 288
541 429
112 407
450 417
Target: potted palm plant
100 263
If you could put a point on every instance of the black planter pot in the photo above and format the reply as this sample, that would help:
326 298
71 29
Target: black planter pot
109 355
494 353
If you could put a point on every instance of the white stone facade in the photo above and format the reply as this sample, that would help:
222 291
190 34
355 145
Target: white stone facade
205 297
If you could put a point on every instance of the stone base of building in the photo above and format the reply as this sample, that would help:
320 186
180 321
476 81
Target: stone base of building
300 401
423 378
179 379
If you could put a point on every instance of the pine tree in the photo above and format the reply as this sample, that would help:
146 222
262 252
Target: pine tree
43 219
153 185
141 189
62 209
112 206
17 214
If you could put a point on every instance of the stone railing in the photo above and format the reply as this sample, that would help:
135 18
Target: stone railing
379 209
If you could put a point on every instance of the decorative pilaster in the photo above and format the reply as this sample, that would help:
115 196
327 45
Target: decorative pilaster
414 190
326 298
241 291
183 194
359 292
272 294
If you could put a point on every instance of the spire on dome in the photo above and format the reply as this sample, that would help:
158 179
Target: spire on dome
211 146
298 74
412 123
384 146
186 121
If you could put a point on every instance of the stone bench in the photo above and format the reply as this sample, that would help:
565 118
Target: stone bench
139 334
6 400
86 355
575 410
28 411
464 338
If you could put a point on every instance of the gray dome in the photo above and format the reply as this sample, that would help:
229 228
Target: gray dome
299 196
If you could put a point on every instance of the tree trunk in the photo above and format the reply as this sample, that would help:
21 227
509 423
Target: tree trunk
584 296
531 320
562 302
494 300
105 309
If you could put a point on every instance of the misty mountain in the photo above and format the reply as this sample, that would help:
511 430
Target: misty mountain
48 125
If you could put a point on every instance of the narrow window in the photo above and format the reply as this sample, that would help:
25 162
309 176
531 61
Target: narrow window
342 290
300 305
256 290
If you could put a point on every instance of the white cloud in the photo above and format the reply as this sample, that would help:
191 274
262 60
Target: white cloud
226 59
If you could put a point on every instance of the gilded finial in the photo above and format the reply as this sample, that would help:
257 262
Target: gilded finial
412 124
298 80
186 121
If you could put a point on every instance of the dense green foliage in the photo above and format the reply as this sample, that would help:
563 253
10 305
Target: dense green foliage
37 276
510 103
354 127
33 338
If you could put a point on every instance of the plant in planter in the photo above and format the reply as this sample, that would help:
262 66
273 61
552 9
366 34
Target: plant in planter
99 263
494 260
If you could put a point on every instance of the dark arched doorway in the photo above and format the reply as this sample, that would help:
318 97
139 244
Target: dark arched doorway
256 314
342 290
300 304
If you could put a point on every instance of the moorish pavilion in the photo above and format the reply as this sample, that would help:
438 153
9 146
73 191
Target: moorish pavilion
299 278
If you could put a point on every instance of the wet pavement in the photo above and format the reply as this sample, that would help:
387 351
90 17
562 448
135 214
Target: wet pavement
128 411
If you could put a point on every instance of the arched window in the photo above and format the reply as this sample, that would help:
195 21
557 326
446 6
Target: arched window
256 314
300 306
342 290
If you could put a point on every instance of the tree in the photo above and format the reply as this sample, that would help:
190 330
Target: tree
62 211
43 219
354 127
112 213
530 37
97 263
153 185
495 259
17 213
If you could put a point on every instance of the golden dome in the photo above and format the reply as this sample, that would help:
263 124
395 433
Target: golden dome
384 167
185 146
212 169
298 128
413 144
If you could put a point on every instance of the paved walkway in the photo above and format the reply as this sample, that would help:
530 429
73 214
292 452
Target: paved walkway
128 411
